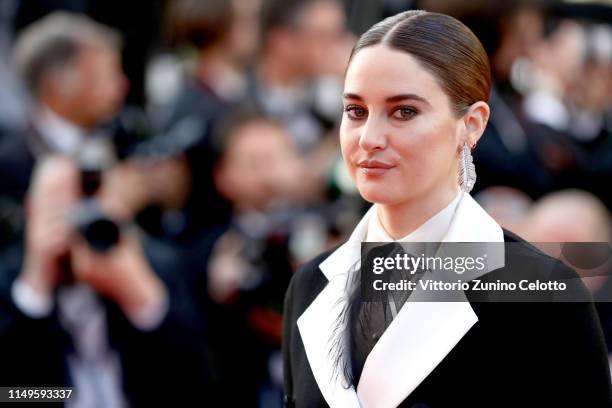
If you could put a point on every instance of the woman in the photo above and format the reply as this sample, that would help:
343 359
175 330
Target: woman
414 106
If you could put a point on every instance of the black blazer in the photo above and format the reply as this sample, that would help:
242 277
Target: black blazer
516 355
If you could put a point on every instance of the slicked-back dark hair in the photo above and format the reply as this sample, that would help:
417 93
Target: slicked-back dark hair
442 45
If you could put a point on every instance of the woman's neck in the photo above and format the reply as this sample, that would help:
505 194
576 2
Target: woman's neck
402 219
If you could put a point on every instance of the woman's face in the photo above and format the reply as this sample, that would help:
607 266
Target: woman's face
399 137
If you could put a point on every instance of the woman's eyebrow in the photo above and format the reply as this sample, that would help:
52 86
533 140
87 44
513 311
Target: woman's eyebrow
348 95
395 98
403 97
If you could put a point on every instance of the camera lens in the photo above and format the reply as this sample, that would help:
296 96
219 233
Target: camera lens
100 232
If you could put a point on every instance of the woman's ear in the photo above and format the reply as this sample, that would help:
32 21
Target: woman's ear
475 121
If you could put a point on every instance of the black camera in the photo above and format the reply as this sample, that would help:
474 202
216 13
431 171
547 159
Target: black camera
89 220
131 138
100 232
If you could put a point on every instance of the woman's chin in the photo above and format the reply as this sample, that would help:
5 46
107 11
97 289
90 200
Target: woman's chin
378 195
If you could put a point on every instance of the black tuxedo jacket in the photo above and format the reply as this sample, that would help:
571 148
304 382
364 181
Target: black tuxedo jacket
528 354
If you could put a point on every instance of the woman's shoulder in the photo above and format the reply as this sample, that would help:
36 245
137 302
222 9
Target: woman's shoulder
519 250
534 293
309 274
306 283
525 264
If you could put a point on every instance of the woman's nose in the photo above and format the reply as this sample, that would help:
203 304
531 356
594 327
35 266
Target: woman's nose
372 135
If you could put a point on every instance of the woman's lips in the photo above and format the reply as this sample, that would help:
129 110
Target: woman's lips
374 167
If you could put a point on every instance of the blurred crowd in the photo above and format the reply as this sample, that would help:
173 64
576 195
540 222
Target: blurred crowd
166 166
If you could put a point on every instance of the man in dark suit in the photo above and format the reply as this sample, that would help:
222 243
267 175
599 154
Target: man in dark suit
72 68
120 326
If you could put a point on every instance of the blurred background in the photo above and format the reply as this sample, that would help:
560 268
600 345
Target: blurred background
166 165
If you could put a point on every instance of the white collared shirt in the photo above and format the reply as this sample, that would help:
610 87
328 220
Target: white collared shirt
61 135
432 230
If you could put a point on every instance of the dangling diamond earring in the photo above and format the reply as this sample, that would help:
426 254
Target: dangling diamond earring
467 171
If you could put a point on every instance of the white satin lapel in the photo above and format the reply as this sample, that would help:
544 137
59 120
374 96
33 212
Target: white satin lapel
316 325
424 332
417 340
318 322
472 223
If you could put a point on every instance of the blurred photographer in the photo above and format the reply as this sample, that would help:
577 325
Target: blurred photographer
85 300
72 69
112 324
121 273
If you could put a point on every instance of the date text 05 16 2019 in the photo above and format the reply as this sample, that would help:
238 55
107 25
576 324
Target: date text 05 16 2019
35 394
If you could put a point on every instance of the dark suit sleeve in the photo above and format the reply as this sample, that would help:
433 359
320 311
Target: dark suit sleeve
578 358
288 323
168 365
299 383
550 352
31 350
540 350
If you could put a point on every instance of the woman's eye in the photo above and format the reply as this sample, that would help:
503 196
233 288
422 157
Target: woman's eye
355 112
404 113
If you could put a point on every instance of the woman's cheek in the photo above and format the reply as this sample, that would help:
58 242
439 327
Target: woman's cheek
348 147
